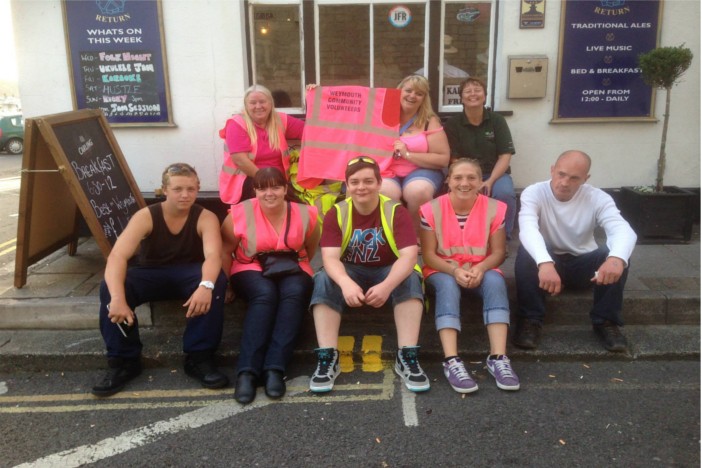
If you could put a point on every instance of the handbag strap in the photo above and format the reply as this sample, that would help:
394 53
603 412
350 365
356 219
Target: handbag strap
287 227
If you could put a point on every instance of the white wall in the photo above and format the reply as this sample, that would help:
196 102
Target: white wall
204 48
208 75
623 153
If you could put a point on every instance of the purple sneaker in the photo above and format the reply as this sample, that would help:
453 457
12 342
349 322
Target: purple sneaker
501 369
458 376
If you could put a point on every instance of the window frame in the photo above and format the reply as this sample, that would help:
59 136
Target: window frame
489 79
434 27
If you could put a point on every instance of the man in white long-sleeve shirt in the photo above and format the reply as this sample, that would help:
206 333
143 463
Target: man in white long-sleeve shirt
557 221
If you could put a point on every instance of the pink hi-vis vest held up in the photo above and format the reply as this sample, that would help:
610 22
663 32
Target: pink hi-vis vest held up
344 122
258 235
470 245
231 178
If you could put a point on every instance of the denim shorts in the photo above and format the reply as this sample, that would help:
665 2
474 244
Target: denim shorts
434 176
329 293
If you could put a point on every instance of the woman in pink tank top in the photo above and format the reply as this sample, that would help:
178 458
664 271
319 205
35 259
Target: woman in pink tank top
421 151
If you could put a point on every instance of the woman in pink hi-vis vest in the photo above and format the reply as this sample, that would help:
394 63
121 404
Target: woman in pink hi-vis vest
254 139
421 152
463 244
275 305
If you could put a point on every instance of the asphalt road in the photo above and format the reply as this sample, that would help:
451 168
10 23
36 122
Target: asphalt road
623 413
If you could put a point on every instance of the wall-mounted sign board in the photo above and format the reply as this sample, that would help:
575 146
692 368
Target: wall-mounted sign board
72 166
599 79
117 60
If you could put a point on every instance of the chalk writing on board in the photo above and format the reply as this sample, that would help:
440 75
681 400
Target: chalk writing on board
122 84
99 175
118 62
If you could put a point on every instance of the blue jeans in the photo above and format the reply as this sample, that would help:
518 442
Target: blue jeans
575 272
492 290
329 293
275 309
503 190
145 284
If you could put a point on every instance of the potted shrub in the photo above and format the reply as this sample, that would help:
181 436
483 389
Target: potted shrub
659 212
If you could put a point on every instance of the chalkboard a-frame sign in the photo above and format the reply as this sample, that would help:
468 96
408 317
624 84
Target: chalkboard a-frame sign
72 164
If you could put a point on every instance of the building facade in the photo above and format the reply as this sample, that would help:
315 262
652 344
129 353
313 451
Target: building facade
215 49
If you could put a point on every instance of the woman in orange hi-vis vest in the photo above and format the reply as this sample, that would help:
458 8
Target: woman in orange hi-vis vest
275 305
255 138
421 151
463 244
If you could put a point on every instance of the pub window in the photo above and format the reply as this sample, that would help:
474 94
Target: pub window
276 51
467 36
370 43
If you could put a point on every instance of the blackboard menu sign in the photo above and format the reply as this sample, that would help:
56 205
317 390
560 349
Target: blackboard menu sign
100 175
117 60
598 74
72 166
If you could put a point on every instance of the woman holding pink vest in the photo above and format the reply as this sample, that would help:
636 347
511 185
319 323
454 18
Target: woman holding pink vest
254 139
275 305
463 243
421 151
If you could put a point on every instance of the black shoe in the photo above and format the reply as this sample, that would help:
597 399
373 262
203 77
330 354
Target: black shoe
611 336
274 383
120 372
527 334
245 391
201 366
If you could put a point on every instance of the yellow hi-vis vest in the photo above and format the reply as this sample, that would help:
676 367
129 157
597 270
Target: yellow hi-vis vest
387 216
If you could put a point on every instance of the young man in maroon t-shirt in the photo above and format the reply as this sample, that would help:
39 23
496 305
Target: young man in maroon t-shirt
371 267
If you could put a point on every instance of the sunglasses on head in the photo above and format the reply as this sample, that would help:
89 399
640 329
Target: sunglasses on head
364 159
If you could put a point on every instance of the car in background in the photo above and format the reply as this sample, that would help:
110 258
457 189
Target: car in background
12 134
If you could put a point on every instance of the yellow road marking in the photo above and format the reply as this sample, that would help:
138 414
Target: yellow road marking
346 344
194 393
372 350
376 392
11 241
386 387
11 249
111 406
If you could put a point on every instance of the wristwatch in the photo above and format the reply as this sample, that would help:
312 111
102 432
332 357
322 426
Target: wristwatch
207 284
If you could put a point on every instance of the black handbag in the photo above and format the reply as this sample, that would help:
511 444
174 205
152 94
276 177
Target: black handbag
277 263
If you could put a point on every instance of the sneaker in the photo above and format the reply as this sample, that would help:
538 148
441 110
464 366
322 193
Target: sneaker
407 366
501 369
527 335
327 370
120 372
611 336
458 377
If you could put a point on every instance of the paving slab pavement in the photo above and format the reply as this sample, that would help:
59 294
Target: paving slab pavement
52 321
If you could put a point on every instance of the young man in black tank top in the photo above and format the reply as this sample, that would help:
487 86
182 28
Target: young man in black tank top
179 258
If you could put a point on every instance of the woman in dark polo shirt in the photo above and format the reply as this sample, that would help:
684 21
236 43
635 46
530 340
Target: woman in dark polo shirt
482 134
